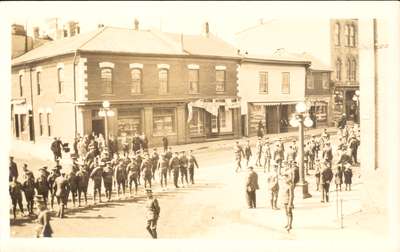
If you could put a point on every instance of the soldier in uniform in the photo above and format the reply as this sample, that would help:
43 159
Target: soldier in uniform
107 175
73 185
278 156
326 178
154 160
28 186
251 187
267 156
169 155
290 155
273 187
327 154
120 176
15 189
247 152
153 213
61 187
259 147
288 196
238 156
133 174
174 164
162 166
43 220
96 175
146 168
83 182
42 185
50 179
13 169
192 162
183 162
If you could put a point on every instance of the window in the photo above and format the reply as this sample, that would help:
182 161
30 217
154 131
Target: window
194 81
136 75
48 124
20 86
38 74
60 76
285 83
23 122
225 119
196 126
220 80
347 35
129 123
348 69
163 121
41 124
337 34
353 69
163 79
106 80
310 81
263 85
352 36
325 81
338 70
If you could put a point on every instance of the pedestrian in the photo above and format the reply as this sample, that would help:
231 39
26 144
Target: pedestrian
290 155
338 178
247 152
238 156
326 178
15 190
296 173
259 147
251 187
162 166
120 177
133 174
311 155
183 162
13 169
168 156
28 187
42 185
153 213
327 155
192 161
348 174
267 156
61 187
72 184
273 187
43 229
278 156
55 172
288 197
154 159
353 145
317 174
96 176
83 182
56 147
165 143
174 164
146 169
107 175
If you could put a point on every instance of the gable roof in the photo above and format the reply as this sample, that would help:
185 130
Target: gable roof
278 59
123 40
316 64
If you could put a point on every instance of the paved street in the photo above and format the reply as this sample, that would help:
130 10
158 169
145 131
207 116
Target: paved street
213 208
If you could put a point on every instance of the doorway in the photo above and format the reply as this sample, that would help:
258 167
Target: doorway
17 129
98 126
350 105
271 119
31 127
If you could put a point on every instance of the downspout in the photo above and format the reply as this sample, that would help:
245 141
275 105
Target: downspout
75 110
33 121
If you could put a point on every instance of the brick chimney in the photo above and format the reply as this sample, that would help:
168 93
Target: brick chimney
136 25
206 29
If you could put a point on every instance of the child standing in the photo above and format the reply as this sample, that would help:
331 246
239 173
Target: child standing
348 174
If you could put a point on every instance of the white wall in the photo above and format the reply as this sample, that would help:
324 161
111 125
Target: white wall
249 83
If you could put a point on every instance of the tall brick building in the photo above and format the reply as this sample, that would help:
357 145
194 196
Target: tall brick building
148 77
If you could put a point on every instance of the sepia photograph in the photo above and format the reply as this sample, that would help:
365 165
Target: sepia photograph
200 121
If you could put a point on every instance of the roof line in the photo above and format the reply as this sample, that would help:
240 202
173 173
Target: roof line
90 39
254 26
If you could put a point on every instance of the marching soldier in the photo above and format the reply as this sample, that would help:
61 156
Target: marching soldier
42 185
238 156
288 196
192 162
259 147
83 182
50 179
251 187
147 167
162 166
108 180
168 156
267 156
183 161
153 213
174 164
133 174
61 187
120 176
154 159
278 156
96 175
273 187
28 186
247 152
15 190
73 185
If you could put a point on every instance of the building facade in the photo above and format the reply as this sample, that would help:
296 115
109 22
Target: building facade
153 88
269 88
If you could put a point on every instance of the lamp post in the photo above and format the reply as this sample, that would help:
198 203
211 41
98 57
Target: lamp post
300 119
356 98
106 112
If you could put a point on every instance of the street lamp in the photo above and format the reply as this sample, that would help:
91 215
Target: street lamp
356 99
106 112
300 119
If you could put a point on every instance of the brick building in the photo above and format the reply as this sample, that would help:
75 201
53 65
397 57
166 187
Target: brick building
148 77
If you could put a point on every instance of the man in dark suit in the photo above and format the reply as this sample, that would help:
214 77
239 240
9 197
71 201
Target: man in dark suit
13 170
251 187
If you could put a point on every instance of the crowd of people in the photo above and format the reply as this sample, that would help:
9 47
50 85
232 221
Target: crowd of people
281 164
108 167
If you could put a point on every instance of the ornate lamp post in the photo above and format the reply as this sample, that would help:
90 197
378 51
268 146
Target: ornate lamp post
300 119
356 98
106 112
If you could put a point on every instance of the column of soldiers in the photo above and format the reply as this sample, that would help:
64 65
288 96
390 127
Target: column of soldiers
122 171
283 170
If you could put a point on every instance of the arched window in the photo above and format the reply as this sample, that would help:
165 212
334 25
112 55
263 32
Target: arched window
347 35
337 34
106 80
136 84
348 69
338 70
353 69
163 79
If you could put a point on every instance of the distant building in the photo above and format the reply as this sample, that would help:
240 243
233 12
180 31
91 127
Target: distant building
163 84
333 42
22 43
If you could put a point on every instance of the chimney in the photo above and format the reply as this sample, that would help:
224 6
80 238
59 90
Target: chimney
35 32
206 29
136 25
100 26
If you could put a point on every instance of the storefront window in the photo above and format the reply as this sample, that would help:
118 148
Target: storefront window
163 121
197 123
321 111
129 123
225 119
